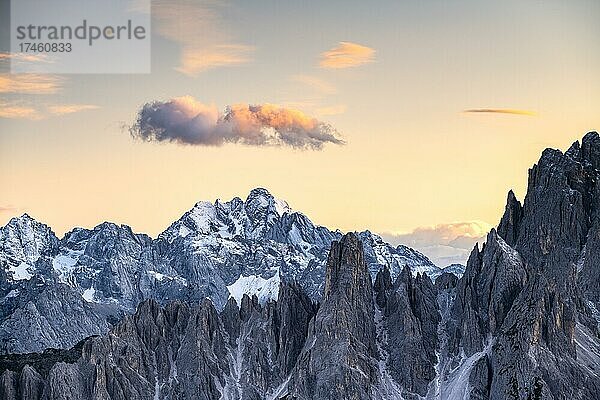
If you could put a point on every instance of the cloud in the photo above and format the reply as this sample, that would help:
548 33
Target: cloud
199 29
194 61
61 109
185 120
30 83
346 55
315 83
500 111
444 244
17 111
27 83
7 209
24 57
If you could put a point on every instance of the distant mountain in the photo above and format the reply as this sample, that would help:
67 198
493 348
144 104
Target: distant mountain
56 292
456 269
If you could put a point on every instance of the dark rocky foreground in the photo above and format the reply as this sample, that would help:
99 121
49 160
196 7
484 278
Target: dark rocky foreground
292 348
521 323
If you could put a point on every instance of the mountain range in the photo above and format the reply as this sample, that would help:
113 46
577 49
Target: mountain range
55 292
248 300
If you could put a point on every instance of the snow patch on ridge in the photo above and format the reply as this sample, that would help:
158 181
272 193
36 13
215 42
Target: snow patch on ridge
64 264
457 385
282 207
21 272
264 289
89 294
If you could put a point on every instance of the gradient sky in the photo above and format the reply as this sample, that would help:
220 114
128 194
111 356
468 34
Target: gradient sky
414 158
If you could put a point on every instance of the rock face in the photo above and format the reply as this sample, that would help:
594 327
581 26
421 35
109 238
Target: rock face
82 284
409 326
523 316
179 351
338 361
291 348
252 351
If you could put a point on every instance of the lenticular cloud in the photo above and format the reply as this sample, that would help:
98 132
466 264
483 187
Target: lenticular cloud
185 120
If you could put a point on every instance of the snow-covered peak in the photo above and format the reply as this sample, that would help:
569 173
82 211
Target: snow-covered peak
262 210
262 199
204 217
24 240
251 218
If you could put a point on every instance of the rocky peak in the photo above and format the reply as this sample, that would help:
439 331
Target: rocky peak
339 363
407 330
347 271
590 149
261 198
492 281
511 220
518 308
24 240
383 283
445 281
263 210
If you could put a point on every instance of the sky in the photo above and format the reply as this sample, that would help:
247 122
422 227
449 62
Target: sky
410 119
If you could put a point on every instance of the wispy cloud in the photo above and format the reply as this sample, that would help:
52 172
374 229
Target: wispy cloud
17 111
61 109
195 61
7 209
30 83
315 83
347 55
20 110
185 120
501 111
444 244
199 29
23 57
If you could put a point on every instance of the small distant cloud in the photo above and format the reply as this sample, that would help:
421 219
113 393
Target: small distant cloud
30 83
205 40
16 111
23 57
444 244
500 111
347 55
61 109
19 110
315 83
7 209
185 120
194 61
27 83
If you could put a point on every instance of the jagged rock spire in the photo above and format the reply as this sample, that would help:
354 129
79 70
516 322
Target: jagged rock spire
339 363
510 223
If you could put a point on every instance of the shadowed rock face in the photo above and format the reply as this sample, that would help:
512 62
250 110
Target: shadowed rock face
522 307
337 361
291 347
178 351
410 323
